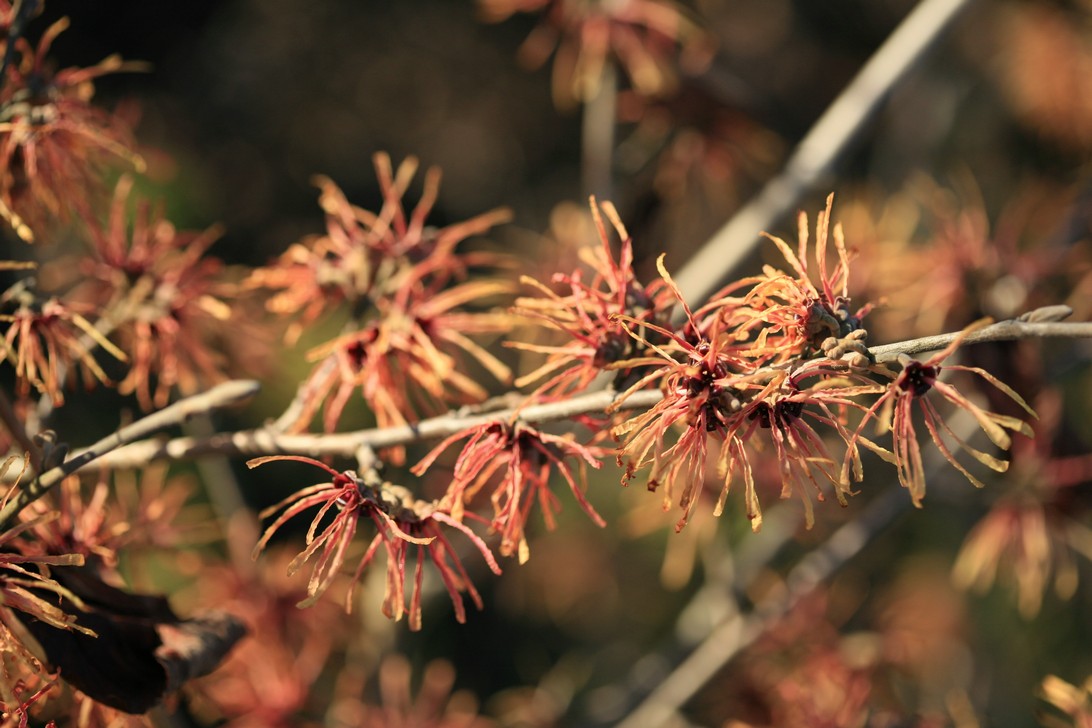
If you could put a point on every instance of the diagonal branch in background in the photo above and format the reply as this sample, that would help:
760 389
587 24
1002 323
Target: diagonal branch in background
723 254
738 631
269 441
222 395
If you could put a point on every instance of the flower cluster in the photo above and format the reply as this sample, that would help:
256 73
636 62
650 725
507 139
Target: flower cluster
166 296
774 361
406 288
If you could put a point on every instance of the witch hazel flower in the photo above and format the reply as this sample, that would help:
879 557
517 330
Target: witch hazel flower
56 148
167 295
46 340
364 255
584 308
528 457
798 313
411 359
405 527
909 390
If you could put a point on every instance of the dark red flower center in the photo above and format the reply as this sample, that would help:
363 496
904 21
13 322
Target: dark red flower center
917 378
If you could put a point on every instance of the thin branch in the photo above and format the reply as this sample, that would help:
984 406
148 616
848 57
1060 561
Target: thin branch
723 254
269 441
1012 330
222 395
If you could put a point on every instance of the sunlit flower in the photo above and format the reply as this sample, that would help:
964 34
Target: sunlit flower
585 310
800 310
401 522
529 457
910 387
718 381
641 35
364 255
54 145
410 361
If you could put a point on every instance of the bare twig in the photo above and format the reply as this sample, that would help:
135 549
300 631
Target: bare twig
270 441
1025 327
222 395
722 255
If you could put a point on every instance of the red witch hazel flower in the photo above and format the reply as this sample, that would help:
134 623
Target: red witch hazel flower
586 313
164 287
54 145
529 457
402 522
911 386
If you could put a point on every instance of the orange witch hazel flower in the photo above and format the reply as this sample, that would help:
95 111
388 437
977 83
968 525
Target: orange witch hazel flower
725 376
529 457
363 254
586 312
54 145
911 386
402 522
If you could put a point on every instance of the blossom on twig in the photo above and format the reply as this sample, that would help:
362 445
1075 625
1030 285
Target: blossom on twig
910 386
586 312
163 294
409 361
529 458
401 521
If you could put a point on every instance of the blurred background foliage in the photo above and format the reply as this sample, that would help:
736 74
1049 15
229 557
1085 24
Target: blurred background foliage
969 194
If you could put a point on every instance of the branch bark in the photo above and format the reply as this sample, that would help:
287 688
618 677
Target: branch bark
222 395
814 157
271 441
